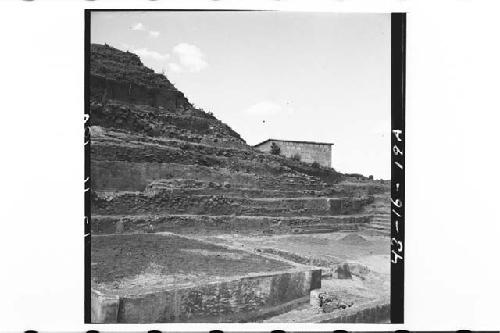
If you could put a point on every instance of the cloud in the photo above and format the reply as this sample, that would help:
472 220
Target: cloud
189 58
183 58
154 34
267 108
146 53
139 26
174 67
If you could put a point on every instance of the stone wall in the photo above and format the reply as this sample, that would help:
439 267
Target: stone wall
110 224
308 152
115 175
238 300
170 203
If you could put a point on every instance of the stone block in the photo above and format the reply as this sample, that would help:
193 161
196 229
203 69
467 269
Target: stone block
343 272
314 298
104 308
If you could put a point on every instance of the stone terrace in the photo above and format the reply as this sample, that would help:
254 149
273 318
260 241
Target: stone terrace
158 164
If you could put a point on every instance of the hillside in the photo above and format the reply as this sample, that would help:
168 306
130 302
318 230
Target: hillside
153 152
178 197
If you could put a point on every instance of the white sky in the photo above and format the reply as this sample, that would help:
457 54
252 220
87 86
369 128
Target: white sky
296 76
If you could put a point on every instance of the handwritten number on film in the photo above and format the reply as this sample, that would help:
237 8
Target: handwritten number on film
397 204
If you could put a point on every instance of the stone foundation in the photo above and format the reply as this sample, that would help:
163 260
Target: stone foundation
167 203
236 300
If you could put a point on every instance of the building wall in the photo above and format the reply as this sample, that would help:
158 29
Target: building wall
308 152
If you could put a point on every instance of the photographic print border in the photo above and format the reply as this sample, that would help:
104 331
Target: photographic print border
398 56
87 218
398 63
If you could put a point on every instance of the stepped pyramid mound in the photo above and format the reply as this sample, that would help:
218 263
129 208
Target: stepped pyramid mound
158 163
169 181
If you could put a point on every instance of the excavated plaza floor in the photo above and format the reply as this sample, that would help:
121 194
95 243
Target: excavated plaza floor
144 278
133 263
327 248
163 277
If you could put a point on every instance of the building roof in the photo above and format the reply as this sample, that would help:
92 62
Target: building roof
304 142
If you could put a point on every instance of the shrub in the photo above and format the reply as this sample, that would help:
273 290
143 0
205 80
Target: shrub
296 157
275 149
315 165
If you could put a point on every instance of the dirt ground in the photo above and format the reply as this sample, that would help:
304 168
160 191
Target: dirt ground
139 262
371 251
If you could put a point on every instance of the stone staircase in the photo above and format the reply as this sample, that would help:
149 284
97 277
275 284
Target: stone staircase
380 216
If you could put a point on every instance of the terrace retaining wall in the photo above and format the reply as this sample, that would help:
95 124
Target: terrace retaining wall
237 300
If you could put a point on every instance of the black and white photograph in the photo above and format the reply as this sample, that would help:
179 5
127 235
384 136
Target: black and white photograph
240 166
